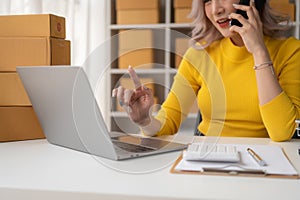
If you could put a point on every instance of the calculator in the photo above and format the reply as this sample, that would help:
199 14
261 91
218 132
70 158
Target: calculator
211 152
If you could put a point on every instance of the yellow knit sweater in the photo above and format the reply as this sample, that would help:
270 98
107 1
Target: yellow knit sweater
223 80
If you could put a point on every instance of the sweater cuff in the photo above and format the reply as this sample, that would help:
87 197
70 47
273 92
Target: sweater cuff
278 117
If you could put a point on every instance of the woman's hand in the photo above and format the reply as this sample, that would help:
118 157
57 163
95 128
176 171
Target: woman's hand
252 29
138 102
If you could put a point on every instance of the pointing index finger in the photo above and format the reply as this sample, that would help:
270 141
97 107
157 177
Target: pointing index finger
134 77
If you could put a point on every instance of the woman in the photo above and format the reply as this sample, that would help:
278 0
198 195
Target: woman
246 79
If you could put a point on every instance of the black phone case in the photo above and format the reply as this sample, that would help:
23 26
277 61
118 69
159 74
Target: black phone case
243 13
259 5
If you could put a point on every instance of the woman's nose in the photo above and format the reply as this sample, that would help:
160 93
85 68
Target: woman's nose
217 7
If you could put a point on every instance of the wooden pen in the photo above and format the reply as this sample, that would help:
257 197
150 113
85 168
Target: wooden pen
256 157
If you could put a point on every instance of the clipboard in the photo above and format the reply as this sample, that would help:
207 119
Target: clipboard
286 168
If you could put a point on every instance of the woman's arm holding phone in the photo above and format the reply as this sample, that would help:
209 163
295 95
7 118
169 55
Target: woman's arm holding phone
252 35
279 104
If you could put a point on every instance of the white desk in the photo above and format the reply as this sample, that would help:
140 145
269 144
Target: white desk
38 170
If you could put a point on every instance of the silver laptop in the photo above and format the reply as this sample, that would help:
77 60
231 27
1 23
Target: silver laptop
70 117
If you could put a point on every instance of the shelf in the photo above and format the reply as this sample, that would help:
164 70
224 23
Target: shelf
148 26
136 26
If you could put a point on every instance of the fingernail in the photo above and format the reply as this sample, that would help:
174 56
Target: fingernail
234 5
113 94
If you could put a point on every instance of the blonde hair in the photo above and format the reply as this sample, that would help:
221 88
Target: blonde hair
275 25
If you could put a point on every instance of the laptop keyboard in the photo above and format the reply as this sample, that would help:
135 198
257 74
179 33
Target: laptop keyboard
132 147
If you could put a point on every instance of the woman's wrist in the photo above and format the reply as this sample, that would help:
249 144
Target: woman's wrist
150 128
261 56
265 65
145 122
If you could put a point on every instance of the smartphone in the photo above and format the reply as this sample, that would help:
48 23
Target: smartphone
241 12
258 4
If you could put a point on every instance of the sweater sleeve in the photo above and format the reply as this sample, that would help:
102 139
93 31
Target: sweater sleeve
280 113
179 100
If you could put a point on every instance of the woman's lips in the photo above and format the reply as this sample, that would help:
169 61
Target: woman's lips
223 23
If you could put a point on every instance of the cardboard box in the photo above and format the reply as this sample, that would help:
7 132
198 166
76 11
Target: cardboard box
285 8
128 83
19 123
135 39
60 52
135 49
182 3
32 51
12 92
142 58
182 44
146 16
181 15
39 25
136 4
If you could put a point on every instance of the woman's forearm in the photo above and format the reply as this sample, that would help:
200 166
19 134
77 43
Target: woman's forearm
267 82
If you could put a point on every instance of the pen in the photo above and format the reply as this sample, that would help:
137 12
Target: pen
256 157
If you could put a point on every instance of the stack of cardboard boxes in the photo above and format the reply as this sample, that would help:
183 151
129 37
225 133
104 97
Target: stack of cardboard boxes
136 49
26 40
136 46
137 11
182 9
